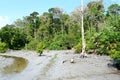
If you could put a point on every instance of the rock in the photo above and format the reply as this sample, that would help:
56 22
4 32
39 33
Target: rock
115 63
72 61
64 61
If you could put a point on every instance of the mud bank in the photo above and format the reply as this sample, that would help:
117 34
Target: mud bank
50 66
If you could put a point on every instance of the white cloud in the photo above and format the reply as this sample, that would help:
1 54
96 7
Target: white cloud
4 20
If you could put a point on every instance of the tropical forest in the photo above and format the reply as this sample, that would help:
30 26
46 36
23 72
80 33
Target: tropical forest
89 35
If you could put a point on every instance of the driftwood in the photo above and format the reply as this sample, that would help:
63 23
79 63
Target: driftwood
71 61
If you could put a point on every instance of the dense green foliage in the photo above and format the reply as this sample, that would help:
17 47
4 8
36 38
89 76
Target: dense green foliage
55 30
15 38
3 47
32 45
40 47
78 47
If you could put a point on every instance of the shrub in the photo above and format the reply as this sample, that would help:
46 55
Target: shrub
90 39
18 42
90 45
40 48
59 42
78 47
56 45
102 50
32 45
116 54
3 47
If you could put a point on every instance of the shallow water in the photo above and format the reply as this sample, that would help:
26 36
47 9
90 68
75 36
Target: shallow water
12 64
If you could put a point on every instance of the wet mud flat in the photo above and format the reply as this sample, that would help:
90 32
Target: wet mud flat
12 64
50 66
92 68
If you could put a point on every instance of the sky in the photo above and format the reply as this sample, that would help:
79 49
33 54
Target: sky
10 10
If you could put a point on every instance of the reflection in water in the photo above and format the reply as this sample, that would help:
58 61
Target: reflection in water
17 66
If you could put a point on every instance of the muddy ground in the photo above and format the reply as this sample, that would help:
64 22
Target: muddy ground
55 65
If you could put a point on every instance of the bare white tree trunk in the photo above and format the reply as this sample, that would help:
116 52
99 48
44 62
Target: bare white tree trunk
83 53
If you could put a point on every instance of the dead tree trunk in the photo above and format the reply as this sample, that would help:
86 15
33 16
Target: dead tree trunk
83 53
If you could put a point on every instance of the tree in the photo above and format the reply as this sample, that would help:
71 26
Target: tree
56 12
114 9
19 23
82 29
18 41
56 19
34 23
14 37
78 16
95 13
113 39
6 34
45 29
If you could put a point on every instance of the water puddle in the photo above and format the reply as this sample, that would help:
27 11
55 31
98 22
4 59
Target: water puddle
12 64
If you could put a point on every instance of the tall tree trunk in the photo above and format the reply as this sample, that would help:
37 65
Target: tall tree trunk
83 53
